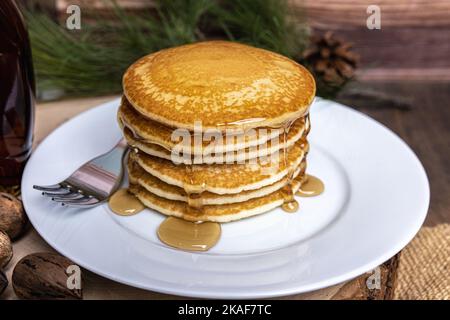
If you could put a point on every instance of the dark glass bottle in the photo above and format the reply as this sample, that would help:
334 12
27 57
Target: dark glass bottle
17 92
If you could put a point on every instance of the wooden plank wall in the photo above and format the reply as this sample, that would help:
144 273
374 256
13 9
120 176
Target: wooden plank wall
413 43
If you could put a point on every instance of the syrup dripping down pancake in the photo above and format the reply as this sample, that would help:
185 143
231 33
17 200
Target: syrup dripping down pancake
146 132
213 157
223 178
139 176
216 213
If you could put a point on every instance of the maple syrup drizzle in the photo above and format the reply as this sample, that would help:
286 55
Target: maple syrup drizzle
311 187
289 203
195 200
186 235
141 139
124 203
194 190
291 206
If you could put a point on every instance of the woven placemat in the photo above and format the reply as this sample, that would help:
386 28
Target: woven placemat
424 267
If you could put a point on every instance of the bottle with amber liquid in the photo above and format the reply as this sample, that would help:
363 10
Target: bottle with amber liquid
17 92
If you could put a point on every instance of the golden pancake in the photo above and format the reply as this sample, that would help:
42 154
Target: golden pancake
217 213
211 157
139 176
224 85
149 131
224 178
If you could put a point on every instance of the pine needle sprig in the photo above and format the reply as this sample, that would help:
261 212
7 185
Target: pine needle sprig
264 23
91 61
65 61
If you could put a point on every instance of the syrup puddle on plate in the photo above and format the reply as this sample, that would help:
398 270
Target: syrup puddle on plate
186 235
198 236
124 203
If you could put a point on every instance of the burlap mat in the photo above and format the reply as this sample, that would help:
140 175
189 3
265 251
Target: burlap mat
424 268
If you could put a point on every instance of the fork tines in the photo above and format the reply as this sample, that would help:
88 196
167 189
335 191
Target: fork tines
66 195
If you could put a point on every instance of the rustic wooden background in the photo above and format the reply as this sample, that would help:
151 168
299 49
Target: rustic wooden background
413 42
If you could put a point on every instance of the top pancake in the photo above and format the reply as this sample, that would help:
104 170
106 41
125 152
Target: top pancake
222 84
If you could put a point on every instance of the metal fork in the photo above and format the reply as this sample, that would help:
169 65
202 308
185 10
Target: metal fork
92 183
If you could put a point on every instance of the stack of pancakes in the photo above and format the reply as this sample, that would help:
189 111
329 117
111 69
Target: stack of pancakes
243 115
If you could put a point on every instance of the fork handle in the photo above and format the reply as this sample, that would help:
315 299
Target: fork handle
102 175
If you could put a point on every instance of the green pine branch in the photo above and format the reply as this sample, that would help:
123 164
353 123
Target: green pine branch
91 61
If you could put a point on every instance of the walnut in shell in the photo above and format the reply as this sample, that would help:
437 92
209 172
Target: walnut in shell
13 219
3 282
6 251
44 276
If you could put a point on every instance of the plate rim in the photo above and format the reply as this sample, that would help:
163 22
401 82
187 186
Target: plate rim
286 290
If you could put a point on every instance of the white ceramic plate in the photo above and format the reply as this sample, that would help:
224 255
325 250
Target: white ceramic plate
375 201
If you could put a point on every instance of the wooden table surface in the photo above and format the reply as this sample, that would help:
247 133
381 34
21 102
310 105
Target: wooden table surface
425 127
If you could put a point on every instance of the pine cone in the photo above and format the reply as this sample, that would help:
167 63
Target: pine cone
331 61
